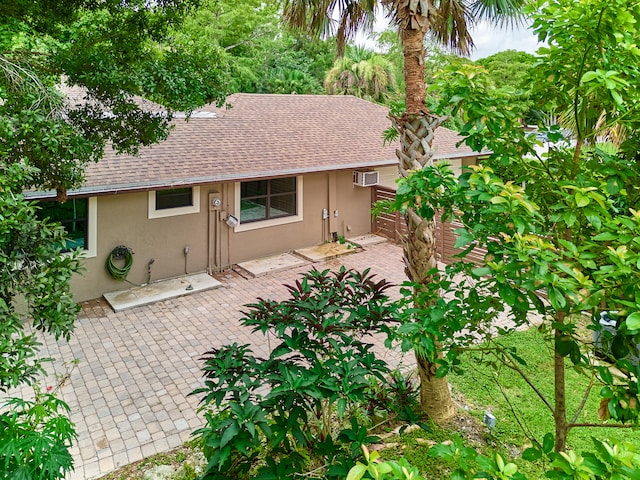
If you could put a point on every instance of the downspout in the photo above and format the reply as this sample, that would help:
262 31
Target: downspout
325 212
215 206
209 237
227 187
333 207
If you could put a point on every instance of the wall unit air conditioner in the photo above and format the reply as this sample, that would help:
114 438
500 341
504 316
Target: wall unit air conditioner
366 179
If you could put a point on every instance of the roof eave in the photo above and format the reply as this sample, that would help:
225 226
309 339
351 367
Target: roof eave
131 187
202 180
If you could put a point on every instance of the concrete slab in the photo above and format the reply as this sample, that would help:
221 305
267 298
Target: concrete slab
367 239
162 290
327 251
271 264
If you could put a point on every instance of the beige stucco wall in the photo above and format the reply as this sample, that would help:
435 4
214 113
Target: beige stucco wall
123 219
389 175
333 191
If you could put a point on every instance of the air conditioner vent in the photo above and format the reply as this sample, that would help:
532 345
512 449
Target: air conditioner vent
366 179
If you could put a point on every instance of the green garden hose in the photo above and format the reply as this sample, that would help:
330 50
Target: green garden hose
119 253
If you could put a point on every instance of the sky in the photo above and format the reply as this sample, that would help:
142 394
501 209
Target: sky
487 39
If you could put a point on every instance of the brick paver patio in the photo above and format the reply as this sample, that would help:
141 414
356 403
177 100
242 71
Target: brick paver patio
128 394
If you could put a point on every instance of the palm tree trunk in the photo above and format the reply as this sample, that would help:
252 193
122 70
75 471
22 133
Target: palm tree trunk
414 70
420 259
435 397
416 129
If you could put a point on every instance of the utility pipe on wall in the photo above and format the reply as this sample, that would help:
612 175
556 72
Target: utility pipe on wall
213 240
228 208
332 203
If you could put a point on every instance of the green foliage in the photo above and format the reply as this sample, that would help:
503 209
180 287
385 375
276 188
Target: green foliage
470 464
437 60
377 469
370 77
71 74
512 70
509 68
236 26
259 55
35 437
559 230
294 406
402 389
111 52
486 382
607 462
274 66
509 72
389 43
592 58
31 267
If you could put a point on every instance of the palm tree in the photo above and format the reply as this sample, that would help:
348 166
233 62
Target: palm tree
368 76
341 79
449 22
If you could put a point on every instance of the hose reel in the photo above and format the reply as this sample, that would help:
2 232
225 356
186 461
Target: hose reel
119 254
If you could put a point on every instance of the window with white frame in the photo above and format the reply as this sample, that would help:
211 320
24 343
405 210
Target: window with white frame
262 203
174 201
78 217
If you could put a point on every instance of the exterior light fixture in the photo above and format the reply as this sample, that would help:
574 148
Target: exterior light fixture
231 221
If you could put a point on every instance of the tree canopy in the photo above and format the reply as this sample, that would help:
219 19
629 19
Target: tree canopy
72 78
362 73
509 68
559 229
71 74
261 55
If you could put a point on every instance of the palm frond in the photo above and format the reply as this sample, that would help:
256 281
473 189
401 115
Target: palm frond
339 18
450 24
503 13
341 78
370 78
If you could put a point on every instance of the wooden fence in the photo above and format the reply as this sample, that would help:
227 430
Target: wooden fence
393 227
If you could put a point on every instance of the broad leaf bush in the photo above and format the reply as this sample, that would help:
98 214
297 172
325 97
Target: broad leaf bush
557 229
298 408
35 435
35 438
609 461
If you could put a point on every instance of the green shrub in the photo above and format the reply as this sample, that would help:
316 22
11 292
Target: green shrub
608 462
273 417
35 438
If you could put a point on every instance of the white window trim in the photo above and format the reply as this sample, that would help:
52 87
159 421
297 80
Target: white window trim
91 250
172 212
273 222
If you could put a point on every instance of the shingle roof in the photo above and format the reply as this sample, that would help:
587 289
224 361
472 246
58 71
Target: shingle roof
261 136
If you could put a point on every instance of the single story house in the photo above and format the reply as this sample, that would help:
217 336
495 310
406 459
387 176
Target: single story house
267 175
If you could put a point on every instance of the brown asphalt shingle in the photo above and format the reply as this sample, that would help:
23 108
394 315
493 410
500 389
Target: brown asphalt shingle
261 136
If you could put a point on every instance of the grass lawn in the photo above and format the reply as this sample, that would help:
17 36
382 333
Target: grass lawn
516 406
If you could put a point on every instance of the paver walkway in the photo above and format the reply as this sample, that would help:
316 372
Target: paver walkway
128 394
